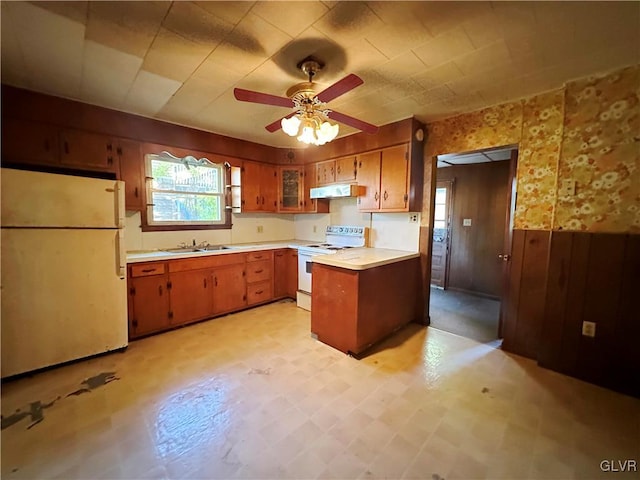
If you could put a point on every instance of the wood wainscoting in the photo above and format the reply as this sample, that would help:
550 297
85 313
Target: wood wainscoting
560 280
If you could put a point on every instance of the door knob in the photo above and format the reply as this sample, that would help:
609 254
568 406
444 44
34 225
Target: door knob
504 257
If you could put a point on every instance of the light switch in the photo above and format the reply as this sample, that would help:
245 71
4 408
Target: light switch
466 222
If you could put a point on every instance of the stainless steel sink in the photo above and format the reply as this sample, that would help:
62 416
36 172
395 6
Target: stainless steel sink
208 248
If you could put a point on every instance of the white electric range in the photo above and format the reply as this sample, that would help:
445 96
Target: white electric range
337 238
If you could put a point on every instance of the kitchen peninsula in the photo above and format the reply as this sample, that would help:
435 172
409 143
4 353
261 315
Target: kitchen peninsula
363 295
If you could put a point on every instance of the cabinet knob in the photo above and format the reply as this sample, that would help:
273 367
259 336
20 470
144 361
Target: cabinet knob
386 195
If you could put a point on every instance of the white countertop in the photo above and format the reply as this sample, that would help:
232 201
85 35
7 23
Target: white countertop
364 258
137 256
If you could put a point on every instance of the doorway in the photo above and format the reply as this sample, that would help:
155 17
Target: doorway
472 226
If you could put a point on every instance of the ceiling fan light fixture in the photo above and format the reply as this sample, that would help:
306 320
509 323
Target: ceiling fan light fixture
290 126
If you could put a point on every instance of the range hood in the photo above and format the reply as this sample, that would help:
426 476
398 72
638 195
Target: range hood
336 191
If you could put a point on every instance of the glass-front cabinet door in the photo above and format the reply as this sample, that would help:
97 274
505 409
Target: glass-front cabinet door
290 189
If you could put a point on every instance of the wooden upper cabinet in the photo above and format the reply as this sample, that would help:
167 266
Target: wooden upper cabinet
369 178
310 205
290 189
394 176
269 188
132 173
87 151
259 187
29 142
386 176
346 169
326 172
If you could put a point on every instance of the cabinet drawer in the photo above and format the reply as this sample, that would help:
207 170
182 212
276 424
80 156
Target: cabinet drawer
260 255
146 269
258 271
210 261
259 292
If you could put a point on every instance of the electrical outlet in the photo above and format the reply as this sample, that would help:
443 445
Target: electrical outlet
568 188
589 329
413 218
260 228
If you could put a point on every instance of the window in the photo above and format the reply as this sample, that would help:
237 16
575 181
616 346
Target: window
440 214
185 191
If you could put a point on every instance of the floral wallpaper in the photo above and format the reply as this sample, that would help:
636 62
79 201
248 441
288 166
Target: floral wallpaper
587 132
601 153
491 127
538 157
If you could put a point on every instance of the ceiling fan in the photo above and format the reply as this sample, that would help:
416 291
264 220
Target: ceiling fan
310 116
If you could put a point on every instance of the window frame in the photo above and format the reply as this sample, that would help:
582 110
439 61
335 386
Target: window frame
225 169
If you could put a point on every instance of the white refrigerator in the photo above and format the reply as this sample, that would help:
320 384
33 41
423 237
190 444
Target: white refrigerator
63 280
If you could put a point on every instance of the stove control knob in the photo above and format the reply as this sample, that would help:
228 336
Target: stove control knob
341 229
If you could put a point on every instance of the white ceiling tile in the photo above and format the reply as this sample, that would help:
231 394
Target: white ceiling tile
196 24
401 67
485 58
444 48
150 92
108 74
129 27
173 56
52 48
394 40
347 22
291 17
362 55
231 12
14 69
75 10
437 76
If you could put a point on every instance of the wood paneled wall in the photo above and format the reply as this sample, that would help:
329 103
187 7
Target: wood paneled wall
480 193
559 280
593 278
27 105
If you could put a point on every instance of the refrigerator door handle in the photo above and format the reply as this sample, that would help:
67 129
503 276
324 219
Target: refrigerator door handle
120 206
121 255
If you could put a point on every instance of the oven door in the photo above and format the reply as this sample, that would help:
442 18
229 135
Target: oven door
304 271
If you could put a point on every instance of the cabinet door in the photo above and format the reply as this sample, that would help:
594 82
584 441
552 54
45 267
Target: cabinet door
292 273
149 305
29 142
369 177
229 288
326 172
269 188
290 189
280 273
132 173
346 168
87 151
250 186
393 178
191 297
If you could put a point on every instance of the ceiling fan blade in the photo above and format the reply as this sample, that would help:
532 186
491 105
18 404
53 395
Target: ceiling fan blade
340 88
353 122
275 126
264 98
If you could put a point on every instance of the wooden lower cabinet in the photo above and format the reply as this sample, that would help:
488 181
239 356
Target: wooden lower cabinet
229 288
165 295
148 305
354 309
191 296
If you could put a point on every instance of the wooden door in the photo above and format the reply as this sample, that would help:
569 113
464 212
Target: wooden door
149 300
280 273
191 297
310 181
29 142
506 301
369 178
346 168
132 173
394 177
85 150
290 189
229 288
441 234
269 188
251 177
